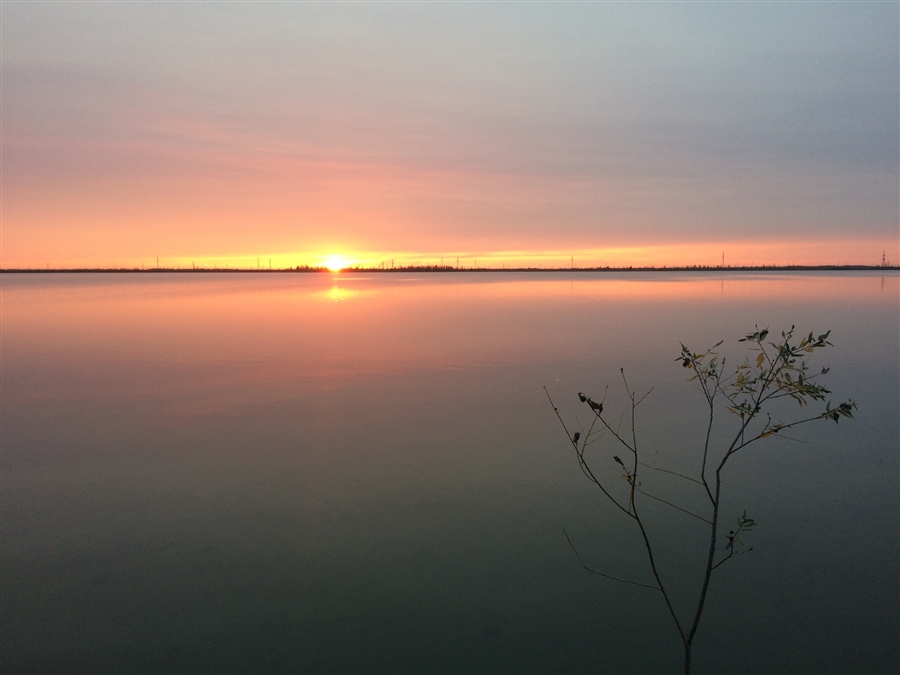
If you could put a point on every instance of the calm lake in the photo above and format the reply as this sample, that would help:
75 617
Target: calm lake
362 473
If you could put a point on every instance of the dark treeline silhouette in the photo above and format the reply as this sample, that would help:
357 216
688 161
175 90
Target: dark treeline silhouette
447 268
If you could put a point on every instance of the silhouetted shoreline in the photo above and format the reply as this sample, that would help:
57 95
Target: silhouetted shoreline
447 269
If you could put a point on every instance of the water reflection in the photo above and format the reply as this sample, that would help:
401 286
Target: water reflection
361 473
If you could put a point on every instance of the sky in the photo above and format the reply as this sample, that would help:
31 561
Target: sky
539 133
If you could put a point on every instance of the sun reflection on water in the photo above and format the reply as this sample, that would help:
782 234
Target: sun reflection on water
338 294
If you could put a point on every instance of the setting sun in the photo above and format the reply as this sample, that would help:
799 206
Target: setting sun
336 262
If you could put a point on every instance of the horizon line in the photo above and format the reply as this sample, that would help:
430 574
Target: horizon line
445 269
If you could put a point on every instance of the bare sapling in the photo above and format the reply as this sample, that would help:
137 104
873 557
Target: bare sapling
741 407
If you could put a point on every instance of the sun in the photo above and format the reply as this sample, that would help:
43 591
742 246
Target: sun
336 263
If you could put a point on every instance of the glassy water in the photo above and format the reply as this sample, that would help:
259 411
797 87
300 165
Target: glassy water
362 473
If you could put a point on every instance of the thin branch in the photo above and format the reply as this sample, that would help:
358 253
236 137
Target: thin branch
733 450
709 426
733 554
674 473
613 431
559 417
662 588
674 506
603 574
643 397
580 453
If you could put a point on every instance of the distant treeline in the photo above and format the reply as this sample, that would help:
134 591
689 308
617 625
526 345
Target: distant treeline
446 268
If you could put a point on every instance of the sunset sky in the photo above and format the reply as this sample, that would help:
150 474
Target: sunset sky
508 133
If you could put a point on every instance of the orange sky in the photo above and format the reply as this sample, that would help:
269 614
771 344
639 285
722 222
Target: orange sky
518 134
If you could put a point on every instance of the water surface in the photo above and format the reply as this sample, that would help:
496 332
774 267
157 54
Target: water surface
337 473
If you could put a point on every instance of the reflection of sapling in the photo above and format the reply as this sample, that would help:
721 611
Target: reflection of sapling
747 394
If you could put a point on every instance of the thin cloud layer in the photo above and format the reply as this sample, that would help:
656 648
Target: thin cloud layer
291 129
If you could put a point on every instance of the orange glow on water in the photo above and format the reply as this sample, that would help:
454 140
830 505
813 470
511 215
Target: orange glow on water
231 339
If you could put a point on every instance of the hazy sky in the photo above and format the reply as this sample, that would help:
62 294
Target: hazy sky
658 132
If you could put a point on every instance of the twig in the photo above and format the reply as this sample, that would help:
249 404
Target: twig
603 574
674 473
674 506
731 555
